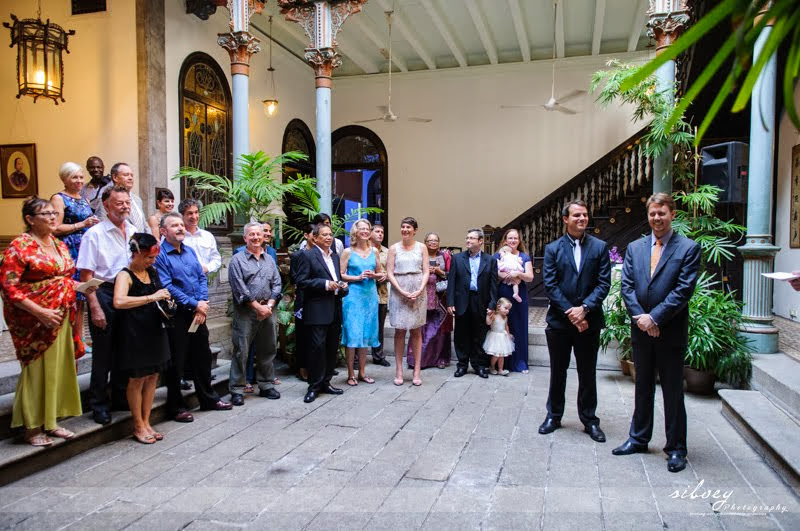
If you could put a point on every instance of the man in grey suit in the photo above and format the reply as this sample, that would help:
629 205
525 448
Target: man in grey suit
658 279
577 277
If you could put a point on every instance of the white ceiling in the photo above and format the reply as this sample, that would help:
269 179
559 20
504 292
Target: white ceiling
442 34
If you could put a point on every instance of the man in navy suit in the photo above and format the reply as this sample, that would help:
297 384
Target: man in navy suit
319 278
471 293
658 279
577 277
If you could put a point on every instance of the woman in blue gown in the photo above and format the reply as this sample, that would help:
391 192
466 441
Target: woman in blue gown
360 269
518 317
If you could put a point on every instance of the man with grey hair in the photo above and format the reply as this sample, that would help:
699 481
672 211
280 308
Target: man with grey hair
122 175
256 287
471 295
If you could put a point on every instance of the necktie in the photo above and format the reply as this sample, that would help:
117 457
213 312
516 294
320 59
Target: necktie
655 256
576 253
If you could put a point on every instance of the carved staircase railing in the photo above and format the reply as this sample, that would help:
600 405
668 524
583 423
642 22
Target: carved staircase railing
613 187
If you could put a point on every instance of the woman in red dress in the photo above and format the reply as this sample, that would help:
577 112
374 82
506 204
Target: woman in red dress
39 306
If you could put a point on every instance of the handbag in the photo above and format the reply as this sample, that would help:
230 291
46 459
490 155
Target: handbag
441 286
167 309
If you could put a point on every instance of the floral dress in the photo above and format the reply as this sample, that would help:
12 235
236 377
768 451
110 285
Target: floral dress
75 211
47 387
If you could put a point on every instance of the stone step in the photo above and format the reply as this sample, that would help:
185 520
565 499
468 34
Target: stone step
771 432
9 371
777 376
9 382
18 459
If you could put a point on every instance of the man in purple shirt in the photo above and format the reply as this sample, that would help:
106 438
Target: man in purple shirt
181 273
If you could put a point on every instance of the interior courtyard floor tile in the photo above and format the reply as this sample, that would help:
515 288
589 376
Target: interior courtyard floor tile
454 454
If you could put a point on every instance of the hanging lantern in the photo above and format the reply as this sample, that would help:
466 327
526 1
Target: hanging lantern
40 71
271 105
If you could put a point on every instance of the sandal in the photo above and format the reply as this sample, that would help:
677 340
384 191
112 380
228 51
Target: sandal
157 436
504 372
416 381
352 382
40 439
248 388
147 439
61 433
441 365
366 379
493 372
398 381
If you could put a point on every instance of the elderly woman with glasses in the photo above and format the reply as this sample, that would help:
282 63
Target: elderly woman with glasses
39 306
438 325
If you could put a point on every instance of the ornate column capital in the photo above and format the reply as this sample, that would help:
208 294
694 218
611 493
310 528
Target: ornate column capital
321 21
668 20
241 45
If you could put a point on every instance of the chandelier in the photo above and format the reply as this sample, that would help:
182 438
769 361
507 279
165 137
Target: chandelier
40 71
271 105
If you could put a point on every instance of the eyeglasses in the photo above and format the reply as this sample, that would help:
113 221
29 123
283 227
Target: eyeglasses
431 241
47 213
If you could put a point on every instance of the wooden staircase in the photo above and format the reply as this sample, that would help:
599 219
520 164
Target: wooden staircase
615 189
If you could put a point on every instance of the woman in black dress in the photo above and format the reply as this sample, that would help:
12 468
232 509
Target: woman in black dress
143 343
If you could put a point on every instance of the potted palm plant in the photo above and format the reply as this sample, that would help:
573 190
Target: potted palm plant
715 315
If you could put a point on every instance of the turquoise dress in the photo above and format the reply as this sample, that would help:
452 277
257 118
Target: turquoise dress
360 306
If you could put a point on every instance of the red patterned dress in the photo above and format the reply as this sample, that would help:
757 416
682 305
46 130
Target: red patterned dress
47 387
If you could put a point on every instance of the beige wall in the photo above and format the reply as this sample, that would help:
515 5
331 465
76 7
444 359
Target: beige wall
99 116
786 301
476 163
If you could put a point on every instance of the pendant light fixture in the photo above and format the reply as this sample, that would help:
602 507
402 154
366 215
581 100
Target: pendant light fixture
271 105
40 45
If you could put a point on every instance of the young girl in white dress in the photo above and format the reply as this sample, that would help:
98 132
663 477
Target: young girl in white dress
499 342
507 263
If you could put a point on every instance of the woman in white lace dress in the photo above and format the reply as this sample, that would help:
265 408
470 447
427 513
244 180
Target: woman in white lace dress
407 270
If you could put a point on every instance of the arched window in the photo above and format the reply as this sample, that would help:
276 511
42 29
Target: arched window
205 101
297 137
360 176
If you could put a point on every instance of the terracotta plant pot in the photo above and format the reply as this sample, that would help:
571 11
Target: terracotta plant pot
626 369
699 382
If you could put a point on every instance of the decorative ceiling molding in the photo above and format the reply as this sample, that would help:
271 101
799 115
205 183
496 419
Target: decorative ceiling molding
597 32
519 27
445 32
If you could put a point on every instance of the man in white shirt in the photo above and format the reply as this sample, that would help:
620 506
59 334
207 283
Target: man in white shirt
201 241
104 252
122 175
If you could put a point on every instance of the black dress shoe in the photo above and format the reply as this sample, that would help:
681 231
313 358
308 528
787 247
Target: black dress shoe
460 372
237 399
676 462
629 447
101 416
330 390
483 373
183 416
272 394
595 433
221 405
185 385
549 425
310 397
381 361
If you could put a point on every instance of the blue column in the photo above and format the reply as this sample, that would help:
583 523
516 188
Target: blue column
759 250
662 165
323 139
241 126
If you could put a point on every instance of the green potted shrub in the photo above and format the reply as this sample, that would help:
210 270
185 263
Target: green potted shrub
715 316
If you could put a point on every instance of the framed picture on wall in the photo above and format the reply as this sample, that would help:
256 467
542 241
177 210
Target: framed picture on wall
794 214
18 176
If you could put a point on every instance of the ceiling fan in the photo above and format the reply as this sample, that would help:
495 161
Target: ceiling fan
553 104
389 115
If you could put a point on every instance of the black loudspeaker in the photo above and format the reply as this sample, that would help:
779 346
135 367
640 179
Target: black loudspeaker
725 166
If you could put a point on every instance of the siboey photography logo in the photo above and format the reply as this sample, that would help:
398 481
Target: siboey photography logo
722 501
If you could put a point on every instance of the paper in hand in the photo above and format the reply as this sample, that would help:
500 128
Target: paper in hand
83 286
780 275
193 327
